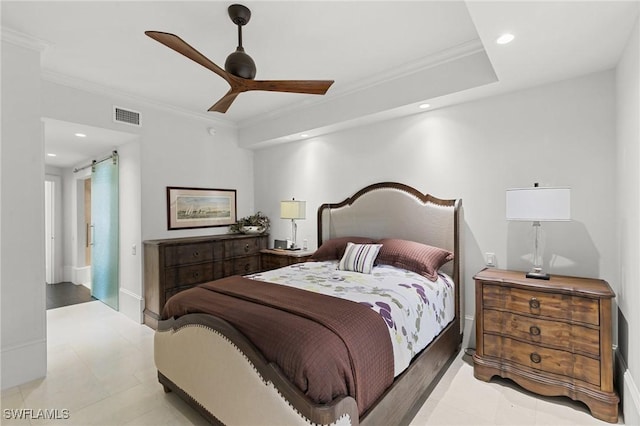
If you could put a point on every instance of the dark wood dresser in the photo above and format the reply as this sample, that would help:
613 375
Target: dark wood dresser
551 337
176 264
273 259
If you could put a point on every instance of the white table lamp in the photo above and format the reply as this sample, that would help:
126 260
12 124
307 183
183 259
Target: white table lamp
293 209
538 205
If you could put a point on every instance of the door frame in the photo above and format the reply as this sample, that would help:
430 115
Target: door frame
53 216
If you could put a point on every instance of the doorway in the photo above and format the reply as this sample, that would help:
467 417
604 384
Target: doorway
75 146
98 228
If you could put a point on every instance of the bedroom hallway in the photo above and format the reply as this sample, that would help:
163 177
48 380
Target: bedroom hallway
100 369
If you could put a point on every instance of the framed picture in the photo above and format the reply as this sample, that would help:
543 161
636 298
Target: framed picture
200 207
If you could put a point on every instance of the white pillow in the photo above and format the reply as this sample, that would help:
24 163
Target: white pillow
359 257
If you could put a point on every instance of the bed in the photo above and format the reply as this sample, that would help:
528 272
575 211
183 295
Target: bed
224 373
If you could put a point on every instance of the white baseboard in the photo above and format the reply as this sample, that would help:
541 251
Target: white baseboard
131 305
23 363
469 337
631 400
78 275
629 393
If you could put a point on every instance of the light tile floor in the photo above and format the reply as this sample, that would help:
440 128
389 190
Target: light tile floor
100 369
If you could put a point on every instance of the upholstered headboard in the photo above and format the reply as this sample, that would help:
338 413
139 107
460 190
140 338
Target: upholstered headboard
395 210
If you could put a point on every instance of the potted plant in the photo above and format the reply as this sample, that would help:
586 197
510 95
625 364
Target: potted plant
255 224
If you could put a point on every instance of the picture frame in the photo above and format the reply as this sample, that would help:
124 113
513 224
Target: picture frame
189 208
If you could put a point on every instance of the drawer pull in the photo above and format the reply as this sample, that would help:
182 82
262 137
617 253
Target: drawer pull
534 330
535 358
196 274
196 253
246 267
246 248
534 303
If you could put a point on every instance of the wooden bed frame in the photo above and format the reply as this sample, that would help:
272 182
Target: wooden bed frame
209 364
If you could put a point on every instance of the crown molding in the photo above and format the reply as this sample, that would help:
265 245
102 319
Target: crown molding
24 40
99 89
447 55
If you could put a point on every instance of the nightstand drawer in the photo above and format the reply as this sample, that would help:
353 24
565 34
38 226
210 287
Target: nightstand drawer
557 334
242 265
552 305
545 359
274 262
273 259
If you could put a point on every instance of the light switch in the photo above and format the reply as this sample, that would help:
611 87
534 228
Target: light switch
490 259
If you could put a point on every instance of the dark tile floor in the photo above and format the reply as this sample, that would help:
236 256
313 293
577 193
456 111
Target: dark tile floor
64 294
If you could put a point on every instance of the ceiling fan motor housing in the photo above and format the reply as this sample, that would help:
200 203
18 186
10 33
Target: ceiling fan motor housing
240 64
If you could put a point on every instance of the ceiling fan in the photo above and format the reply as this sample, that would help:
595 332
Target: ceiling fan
239 69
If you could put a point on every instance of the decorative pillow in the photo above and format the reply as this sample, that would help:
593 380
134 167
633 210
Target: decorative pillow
416 257
334 249
359 257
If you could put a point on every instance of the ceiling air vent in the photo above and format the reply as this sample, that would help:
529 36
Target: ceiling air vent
126 116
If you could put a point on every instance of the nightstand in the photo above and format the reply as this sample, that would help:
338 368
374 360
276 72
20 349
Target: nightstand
272 258
551 337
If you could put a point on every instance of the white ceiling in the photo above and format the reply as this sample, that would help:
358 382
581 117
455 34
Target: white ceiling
71 150
358 44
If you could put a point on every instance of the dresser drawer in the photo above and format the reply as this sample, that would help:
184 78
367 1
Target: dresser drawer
188 253
552 305
242 265
557 334
189 275
545 359
243 247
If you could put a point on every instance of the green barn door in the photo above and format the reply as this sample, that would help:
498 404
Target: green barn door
105 230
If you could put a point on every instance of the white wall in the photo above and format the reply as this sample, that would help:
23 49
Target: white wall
557 134
180 152
131 297
22 267
628 184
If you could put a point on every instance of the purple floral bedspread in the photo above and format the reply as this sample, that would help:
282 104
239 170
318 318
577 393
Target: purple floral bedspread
414 308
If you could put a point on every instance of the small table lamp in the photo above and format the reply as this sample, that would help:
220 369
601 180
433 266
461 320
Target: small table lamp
293 210
538 205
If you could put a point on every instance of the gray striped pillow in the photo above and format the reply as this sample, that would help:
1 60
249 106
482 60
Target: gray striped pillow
359 257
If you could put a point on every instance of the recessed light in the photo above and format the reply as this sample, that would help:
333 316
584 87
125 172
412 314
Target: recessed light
505 38
51 154
424 106
81 135
304 135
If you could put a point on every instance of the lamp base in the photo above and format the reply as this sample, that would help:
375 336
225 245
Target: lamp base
538 275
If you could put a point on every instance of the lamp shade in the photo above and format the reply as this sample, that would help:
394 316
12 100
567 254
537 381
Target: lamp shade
293 209
539 204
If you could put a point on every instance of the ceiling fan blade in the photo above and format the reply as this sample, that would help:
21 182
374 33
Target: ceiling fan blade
313 87
225 102
176 43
